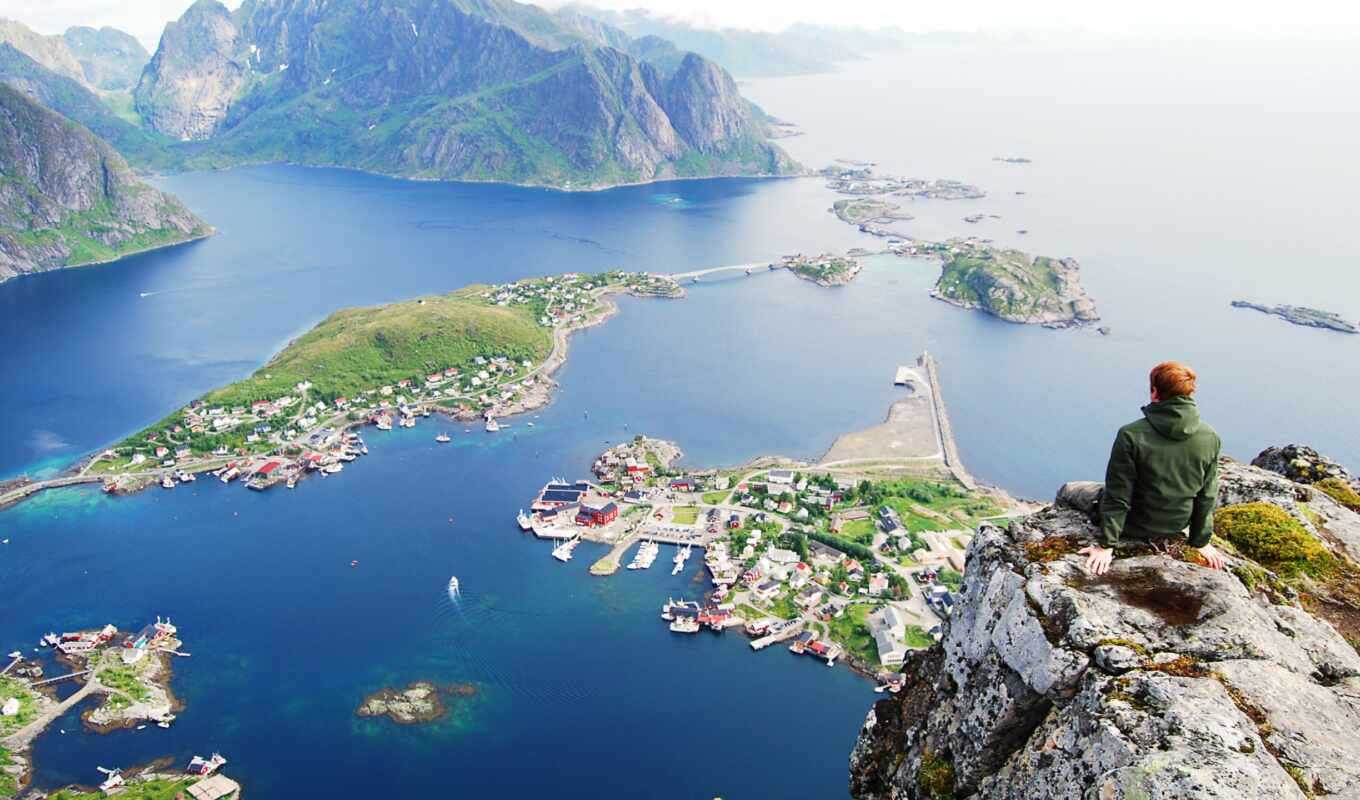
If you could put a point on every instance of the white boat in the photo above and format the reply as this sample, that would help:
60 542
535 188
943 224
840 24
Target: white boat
186 477
205 766
453 584
562 552
331 469
384 422
113 781
646 554
526 523
685 625
167 482
442 438
230 475
681 556
492 426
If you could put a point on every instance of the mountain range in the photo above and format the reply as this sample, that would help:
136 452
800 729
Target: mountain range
445 89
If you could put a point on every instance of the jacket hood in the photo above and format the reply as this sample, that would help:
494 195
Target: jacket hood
1176 418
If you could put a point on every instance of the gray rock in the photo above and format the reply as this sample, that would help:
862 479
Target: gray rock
1161 679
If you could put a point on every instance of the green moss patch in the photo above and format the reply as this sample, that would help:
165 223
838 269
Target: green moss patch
935 777
1340 491
1268 535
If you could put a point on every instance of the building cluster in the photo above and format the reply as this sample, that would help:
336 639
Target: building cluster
565 298
133 646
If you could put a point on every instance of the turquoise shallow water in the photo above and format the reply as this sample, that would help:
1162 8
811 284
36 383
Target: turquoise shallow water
582 690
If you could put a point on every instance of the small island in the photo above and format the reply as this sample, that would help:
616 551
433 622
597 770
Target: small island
825 270
1302 315
1009 284
421 702
859 181
1013 159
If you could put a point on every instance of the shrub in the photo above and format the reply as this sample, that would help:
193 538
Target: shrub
935 778
1268 535
1340 491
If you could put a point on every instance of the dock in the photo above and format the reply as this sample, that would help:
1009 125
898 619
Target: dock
775 638
946 433
902 377
609 562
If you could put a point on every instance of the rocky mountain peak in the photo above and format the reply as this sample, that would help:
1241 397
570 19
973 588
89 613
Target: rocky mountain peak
1161 679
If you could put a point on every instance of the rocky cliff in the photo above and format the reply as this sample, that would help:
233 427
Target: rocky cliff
1161 679
480 89
109 58
67 198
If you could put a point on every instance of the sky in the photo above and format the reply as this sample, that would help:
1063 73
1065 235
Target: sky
1162 18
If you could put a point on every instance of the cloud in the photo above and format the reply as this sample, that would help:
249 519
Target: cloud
47 441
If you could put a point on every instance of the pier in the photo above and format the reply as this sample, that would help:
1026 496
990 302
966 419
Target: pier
946 433
775 638
61 678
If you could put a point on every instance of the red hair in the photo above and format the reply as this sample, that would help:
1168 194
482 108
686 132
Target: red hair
1172 379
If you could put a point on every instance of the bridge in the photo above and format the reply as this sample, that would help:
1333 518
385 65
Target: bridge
19 493
748 268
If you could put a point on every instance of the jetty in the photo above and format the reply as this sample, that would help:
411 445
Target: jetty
22 738
20 492
790 629
945 432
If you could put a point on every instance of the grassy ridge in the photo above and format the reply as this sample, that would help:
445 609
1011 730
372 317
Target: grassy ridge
1007 282
356 349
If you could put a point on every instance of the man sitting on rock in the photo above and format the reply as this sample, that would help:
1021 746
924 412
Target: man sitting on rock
1162 476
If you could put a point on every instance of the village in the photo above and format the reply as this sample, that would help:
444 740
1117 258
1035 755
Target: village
841 566
267 441
131 671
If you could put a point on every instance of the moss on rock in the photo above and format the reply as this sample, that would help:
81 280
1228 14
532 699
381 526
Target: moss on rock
1268 535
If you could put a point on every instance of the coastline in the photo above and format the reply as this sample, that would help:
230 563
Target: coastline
34 273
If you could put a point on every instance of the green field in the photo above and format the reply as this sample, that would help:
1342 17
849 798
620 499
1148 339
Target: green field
715 498
685 515
917 637
9 687
852 632
136 790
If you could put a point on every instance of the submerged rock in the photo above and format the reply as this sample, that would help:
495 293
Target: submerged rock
1160 679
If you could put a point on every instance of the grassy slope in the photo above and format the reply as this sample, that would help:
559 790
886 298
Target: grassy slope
358 349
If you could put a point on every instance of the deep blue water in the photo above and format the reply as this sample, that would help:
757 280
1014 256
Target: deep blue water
584 692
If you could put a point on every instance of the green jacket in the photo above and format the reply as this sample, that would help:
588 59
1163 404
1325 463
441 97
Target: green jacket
1162 476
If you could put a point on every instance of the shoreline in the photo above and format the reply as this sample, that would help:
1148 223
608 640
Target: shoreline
140 251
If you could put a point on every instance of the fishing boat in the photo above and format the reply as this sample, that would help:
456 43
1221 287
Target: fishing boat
492 425
204 767
384 422
668 611
526 523
113 779
443 438
646 554
453 585
685 625
167 482
186 477
681 556
331 469
230 475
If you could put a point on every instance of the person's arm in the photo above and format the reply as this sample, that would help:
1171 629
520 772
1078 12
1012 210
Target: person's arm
1202 515
1120 476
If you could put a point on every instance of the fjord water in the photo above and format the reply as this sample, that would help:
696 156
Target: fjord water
1175 198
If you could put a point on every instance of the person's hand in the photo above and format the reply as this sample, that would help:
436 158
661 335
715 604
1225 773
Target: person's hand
1212 555
1097 558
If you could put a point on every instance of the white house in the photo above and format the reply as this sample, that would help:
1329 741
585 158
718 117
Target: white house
780 477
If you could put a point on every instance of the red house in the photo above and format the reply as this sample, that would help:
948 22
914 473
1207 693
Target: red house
593 516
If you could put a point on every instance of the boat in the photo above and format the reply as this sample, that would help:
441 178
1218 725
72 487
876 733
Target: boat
384 422
646 554
167 482
453 584
668 610
113 780
186 477
492 425
526 523
205 766
685 625
292 482
230 475
443 438
331 469
531 424
681 556
562 552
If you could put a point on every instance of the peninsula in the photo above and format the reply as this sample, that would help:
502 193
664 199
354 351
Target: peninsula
1302 315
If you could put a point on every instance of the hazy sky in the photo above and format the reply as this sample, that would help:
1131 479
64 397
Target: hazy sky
1252 18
